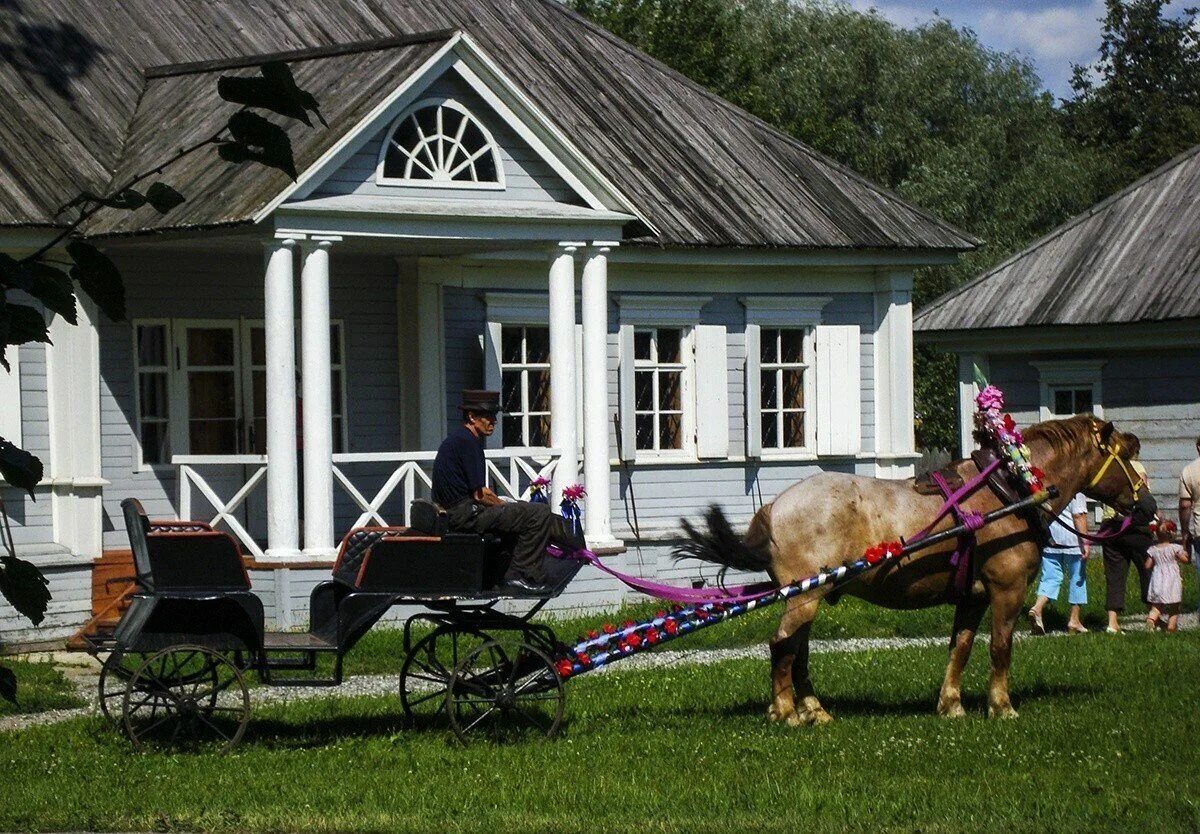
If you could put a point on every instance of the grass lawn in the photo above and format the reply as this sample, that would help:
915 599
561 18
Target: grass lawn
380 651
1106 741
39 687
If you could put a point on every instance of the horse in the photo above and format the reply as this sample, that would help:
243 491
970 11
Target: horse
817 523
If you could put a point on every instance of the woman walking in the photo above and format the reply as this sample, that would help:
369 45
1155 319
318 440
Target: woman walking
1129 549
1064 558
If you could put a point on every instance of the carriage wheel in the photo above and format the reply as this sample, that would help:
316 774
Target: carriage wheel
425 675
186 695
115 674
505 689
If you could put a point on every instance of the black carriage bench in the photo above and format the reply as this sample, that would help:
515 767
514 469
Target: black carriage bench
194 627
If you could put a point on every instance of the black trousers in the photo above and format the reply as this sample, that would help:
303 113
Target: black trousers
1118 554
526 528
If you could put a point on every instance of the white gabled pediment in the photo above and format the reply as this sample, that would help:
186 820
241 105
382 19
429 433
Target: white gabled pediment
534 163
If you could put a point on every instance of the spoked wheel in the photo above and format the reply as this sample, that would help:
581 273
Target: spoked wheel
425 675
115 674
505 689
186 695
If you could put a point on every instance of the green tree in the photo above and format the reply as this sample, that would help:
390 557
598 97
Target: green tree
1139 105
961 130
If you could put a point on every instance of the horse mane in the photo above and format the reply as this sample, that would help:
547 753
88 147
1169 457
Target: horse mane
1064 437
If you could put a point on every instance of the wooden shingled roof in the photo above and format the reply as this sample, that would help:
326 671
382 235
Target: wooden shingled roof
703 172
1135 257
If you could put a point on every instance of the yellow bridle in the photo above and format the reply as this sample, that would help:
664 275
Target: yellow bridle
1113 451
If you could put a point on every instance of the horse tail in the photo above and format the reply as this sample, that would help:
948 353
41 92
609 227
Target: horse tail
720 545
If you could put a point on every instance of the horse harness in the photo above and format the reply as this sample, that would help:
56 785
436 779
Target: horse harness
951 486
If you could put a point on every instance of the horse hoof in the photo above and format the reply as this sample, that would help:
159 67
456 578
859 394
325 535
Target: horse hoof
799 719
776 715
819 717
952 710
1002 713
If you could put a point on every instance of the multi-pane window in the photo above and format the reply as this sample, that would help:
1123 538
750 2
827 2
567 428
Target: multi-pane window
201 388
152 344
658 387
525 384
209 364
782 368
1071 400
440 145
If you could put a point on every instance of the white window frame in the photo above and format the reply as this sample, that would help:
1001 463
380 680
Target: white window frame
177 399
1054 375
799 312
642 312
444 102
510 310
686 371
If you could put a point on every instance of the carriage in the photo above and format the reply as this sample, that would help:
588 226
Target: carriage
179 665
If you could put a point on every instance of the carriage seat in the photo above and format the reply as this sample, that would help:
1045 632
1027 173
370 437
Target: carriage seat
405 560
182 556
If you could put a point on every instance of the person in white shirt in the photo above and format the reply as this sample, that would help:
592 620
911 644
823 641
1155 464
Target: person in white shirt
1064 557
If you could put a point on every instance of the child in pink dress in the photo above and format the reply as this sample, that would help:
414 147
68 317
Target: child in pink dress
1166 588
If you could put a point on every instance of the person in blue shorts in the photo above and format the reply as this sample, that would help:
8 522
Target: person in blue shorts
1064 558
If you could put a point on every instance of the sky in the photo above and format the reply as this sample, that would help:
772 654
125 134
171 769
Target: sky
1052 34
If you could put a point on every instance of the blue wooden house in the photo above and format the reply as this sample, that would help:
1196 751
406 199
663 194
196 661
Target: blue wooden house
680 304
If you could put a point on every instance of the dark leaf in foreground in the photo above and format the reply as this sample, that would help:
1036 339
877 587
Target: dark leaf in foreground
8 684
99 278
257 140
129 199
23 324
53 287
162 197
24 587
274 90
13 273
18 467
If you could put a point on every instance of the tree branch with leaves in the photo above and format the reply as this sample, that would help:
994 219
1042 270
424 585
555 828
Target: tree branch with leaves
67 263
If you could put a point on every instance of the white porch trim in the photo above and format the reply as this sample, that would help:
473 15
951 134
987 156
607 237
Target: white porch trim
317 407
563 373
283 516
596 410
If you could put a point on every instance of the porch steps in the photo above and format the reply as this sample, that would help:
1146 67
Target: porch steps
112 585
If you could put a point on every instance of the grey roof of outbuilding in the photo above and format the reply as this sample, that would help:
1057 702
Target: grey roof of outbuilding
1135 257
703 172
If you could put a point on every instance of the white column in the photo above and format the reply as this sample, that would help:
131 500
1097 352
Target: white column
283 516
317 409
563 375
596 413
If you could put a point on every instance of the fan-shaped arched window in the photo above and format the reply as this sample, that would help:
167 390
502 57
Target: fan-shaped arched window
440 144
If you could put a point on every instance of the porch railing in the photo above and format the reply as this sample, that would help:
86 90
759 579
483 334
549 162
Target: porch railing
509 473
191 481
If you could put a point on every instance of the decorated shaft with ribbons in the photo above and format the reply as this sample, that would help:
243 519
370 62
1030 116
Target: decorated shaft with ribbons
616 642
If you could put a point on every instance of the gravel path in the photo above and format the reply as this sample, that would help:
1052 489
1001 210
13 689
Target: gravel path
81 670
